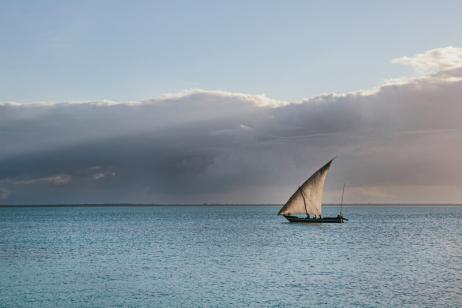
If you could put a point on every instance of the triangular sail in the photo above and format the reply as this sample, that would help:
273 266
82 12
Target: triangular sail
308 198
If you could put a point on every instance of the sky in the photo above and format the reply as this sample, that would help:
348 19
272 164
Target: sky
237 102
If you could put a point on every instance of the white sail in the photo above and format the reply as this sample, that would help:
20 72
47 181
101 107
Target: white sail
308 198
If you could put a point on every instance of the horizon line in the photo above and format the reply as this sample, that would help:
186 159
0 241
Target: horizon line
217 204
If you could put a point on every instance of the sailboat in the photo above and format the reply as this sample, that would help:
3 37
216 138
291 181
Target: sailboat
307 200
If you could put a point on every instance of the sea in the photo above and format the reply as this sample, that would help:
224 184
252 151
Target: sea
229 256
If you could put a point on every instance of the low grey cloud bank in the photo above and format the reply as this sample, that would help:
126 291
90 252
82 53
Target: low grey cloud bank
397 143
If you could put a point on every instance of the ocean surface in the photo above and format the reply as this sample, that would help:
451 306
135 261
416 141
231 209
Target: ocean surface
219 256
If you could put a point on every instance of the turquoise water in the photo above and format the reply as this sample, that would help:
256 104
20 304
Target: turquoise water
229 256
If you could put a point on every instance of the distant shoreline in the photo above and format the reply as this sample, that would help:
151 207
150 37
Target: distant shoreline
222 204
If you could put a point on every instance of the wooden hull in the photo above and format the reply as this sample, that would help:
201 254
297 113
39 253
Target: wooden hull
338 220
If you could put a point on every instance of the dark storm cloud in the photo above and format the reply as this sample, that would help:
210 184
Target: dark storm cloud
213 146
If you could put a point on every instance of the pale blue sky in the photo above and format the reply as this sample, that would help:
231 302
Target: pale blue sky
133 50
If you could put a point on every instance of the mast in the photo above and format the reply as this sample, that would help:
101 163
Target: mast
341 201
304 201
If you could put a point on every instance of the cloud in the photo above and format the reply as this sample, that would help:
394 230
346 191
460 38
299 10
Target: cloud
218 146
102 175
434 60
260 100
59 179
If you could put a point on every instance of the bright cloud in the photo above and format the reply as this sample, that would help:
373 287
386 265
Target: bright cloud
434 60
